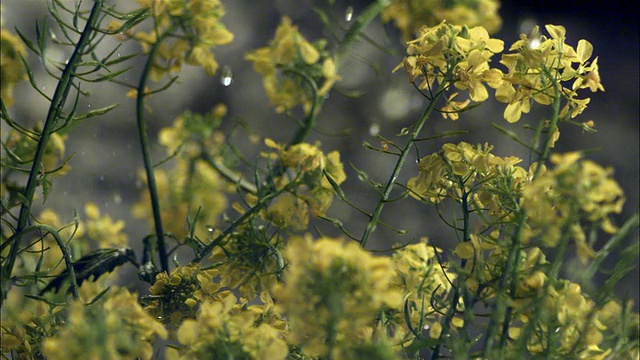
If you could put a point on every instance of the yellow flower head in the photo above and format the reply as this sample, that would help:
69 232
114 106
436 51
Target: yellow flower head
466 51
201 29
225 329
176 296
114 328
12 70
332 287
538 64
310 168
574 190
411 15
294 70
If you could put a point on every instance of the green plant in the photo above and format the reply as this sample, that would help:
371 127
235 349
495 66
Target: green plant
258 284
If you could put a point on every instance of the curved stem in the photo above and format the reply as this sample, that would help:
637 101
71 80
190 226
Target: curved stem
55 109
367 16
374 218
146 155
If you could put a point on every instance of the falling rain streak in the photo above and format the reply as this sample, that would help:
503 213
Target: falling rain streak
226 78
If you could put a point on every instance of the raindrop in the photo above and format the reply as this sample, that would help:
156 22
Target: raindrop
226 78
348 15
426 327
102 178
89 106
118 54
210 229
374 129
117 199
106 204
534 43
44 88
558 330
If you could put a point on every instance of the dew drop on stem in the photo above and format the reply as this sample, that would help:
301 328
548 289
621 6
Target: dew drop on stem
348 15
226 78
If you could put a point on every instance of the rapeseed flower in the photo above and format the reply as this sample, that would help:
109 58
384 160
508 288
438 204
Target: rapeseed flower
331 292
116 327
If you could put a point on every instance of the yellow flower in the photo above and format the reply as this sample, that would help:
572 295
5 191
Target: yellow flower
332 287
411 15
12 70
202 30
466 51
103 230
227 329
115 328
287 66
539 64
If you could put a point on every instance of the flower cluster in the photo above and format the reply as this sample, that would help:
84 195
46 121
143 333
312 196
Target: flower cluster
116 327
574 190
410 16
454 54
25 326
539 65
310 167
571 324
461 169
12 69
331 294
422 281
294 71
226 329
176 296
196 28
103 230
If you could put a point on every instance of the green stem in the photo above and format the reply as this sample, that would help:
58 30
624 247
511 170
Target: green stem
73 283
368 15
55 109
374 218
513 259
146 155
262 202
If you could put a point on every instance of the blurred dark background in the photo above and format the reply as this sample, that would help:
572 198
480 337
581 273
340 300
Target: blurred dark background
107 154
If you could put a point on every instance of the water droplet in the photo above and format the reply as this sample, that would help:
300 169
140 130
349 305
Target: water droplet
558 329
118 54
117 199
210 229
106 204
534 43
226 78
89 106
374 129
44 88
348 15
426 327
102 178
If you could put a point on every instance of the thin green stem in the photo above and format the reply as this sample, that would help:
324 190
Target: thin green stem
375 216
509 279
146 154
55 110
262 202
368 15
73 283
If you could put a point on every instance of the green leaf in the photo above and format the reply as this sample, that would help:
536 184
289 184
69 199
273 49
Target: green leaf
46 187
